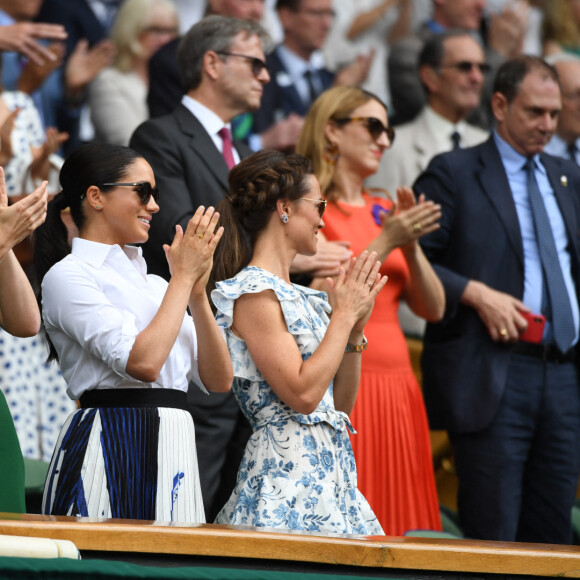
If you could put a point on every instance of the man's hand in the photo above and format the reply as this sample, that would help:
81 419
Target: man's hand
356 72
84 64
23 38
500 312
507 30
34 74
329 257
284 134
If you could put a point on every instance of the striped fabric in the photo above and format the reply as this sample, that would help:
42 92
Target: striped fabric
137 463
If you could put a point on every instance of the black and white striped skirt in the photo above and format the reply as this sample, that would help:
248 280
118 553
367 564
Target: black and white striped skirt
136 462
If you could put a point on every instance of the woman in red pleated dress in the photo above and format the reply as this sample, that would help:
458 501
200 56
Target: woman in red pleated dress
345 134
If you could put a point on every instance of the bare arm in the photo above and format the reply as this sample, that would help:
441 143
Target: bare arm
301 384
189 256
19 313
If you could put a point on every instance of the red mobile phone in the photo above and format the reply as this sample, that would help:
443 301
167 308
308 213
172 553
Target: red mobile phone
535 329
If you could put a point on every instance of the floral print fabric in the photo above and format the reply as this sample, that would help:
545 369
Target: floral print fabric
298 471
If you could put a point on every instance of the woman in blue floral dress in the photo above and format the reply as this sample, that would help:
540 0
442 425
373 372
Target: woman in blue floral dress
296 367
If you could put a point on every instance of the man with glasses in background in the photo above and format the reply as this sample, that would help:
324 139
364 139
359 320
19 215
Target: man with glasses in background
297 69
566 140
502 36
452 69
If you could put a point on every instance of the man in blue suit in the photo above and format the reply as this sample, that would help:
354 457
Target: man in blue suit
509 247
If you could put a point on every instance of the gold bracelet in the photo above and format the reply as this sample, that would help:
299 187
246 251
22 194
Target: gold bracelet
357 347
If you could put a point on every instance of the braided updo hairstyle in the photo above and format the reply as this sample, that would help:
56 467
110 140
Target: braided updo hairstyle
256 184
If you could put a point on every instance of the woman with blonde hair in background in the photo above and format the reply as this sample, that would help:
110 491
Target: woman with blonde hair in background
118 96
345 135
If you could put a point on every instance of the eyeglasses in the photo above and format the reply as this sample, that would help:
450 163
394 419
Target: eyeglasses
257 64
142 188
318 13
319 203
466 66
374 126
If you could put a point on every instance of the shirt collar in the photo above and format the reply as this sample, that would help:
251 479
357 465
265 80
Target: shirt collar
440 125
210 121
512 160
96 254
295 65
5 19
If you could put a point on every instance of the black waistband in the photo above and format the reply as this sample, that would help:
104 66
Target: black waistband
546 352
134 398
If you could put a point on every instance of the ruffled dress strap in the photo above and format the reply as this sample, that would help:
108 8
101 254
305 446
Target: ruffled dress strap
252 280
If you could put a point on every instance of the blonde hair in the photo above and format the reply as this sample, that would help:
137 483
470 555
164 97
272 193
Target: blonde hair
133 18
332 105
560 25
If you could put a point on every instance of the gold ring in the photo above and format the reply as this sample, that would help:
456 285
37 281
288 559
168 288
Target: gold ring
200 236
417 227
503 332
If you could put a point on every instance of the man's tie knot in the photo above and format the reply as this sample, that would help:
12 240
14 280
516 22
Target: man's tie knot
227 147
456 139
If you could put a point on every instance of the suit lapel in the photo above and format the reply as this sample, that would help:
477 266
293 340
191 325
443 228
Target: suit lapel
202 144
559 181
422 137
495 185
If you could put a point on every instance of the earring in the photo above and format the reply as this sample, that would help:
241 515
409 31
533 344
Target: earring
284 218
99 207
330 154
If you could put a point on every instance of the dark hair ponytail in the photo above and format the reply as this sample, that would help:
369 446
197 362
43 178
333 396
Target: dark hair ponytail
92 164
256 184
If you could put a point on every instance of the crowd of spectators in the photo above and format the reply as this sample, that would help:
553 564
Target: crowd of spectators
126 72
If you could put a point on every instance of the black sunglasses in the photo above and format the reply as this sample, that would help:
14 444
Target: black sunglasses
257 64
374 126
319 203
142 188
466 66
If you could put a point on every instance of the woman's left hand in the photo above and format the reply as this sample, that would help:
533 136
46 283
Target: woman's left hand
191 253
410 220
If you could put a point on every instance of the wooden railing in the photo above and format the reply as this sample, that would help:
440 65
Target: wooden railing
379 552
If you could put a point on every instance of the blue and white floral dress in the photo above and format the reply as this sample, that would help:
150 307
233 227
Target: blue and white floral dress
298 471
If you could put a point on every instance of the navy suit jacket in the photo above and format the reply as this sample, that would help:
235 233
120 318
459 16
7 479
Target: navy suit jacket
189 170
464 371
279 98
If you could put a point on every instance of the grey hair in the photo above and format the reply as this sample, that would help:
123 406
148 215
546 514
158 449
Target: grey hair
215 33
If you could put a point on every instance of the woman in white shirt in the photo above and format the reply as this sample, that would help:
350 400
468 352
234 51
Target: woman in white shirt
126 346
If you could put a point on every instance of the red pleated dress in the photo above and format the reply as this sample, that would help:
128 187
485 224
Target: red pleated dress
392 447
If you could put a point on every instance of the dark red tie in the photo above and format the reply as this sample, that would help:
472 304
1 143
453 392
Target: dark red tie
227 148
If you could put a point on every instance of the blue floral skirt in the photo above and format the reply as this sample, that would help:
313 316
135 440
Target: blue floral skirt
301 477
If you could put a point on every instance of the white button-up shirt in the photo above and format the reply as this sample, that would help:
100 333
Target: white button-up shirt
94 304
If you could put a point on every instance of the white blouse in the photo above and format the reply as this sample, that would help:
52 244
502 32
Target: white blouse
94 304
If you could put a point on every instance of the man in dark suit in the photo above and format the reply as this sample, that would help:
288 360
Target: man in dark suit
509 246
297 66
222 66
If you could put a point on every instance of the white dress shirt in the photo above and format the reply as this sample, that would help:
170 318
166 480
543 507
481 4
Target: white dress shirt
94 304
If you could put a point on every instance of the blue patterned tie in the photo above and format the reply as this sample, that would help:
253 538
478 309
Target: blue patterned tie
559 301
